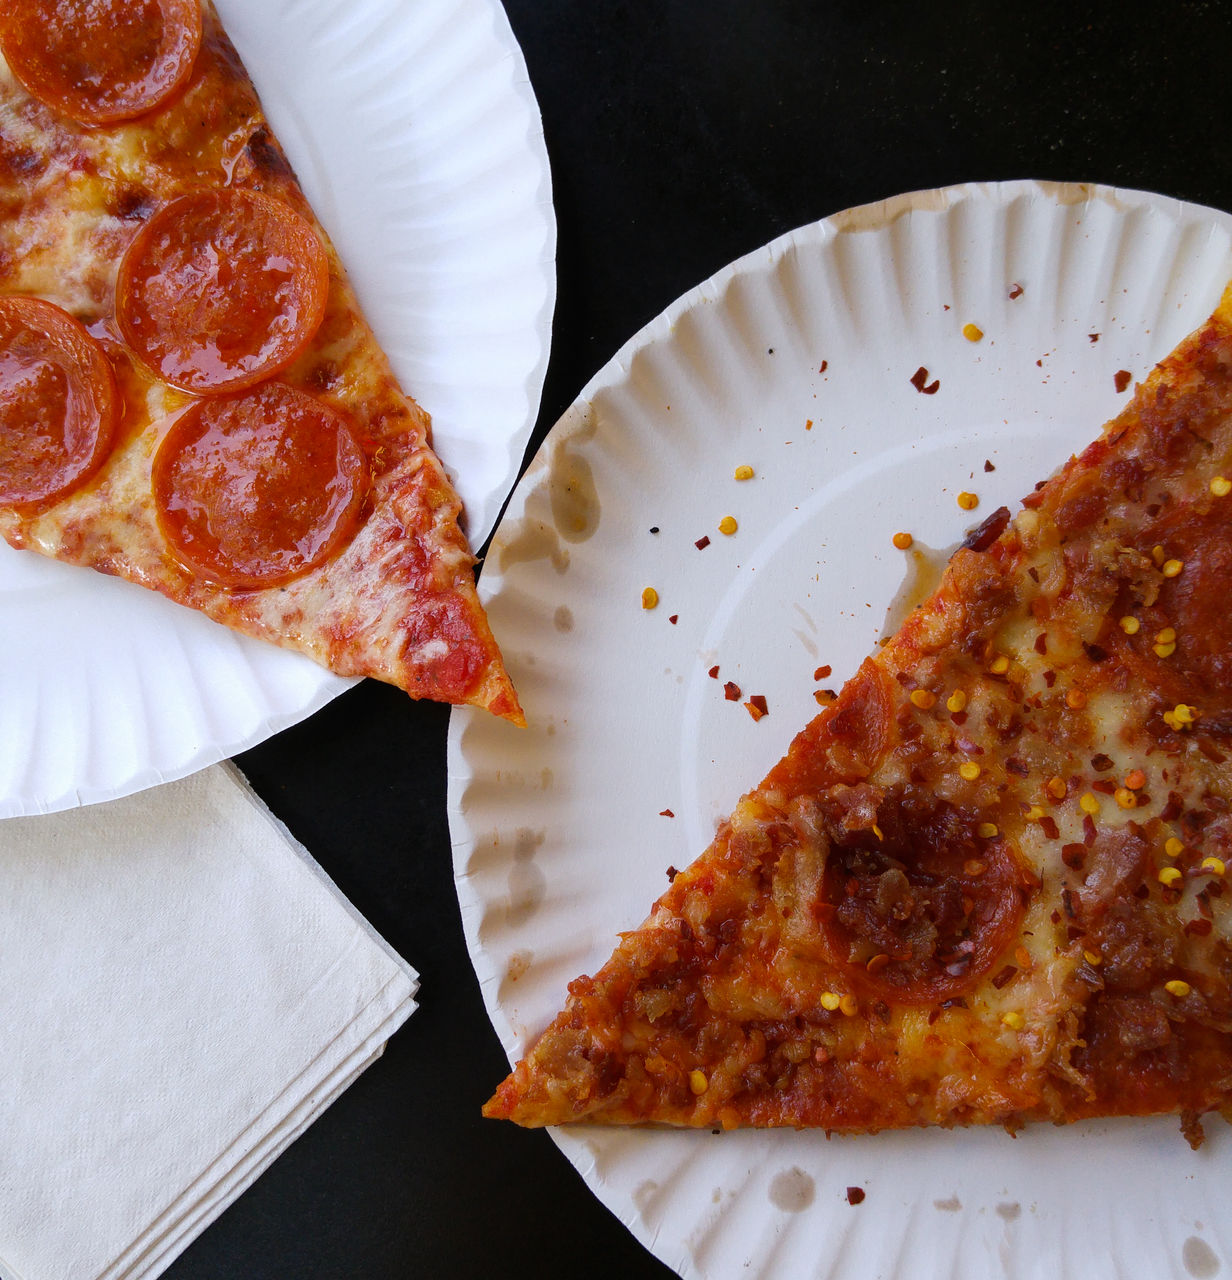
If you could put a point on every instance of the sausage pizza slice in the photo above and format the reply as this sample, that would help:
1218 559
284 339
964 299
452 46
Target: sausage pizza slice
190 397
987 884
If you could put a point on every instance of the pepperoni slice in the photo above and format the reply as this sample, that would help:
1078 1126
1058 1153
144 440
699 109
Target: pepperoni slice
221 289
59 405
253 490
105 61
924 911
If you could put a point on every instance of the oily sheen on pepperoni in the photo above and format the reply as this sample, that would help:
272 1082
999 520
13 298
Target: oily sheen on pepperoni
103 61
221 289
255 489
58 403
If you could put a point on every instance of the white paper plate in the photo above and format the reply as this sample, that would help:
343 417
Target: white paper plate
559 838
415 132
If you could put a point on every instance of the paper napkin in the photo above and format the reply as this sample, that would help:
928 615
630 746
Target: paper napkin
182 991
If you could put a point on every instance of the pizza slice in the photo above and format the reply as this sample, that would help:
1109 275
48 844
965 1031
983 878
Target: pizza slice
190 396
987 883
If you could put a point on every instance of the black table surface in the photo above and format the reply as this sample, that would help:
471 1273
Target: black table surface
682 134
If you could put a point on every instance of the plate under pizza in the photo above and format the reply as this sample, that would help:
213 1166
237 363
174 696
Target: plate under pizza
834 363
425 161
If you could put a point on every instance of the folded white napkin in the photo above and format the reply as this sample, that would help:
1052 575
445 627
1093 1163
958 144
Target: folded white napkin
182 991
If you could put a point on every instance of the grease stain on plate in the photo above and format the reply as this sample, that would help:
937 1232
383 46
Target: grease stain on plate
649 1199
792 1190
925 565
575 499
1201 1261
807 642
527 883
878 216
529 540
572 493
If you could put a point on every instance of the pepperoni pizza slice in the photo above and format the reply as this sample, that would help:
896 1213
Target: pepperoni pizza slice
190 397
987 883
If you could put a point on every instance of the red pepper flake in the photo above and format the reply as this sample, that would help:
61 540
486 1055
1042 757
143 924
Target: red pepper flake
988 465
984 535
1121 379
822 673
1048 825
919 380
1041 642
855 1195
672 873
713 673
702 543
1197 928
1000 979
1101 763
1088 830
1104 785
825 364
756 706
1073 855
666 813
673 618
1093 336
1015 291
731 691
808 424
